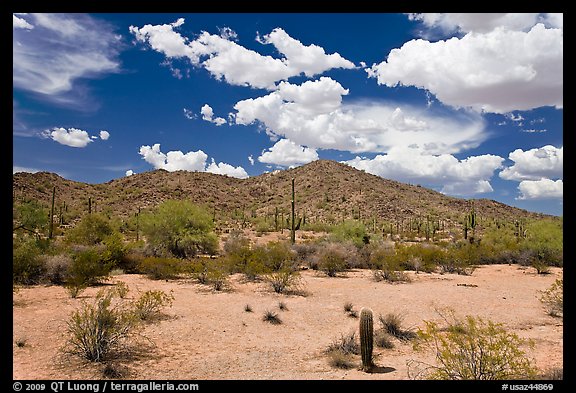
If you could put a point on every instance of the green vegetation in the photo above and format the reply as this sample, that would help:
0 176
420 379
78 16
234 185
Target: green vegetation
180 229
473 349
100 329
553 298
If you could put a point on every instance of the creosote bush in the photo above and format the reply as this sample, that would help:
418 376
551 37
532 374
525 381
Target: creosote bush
553 298
99 329
151 303
473 349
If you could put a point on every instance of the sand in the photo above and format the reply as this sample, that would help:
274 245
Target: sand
208 335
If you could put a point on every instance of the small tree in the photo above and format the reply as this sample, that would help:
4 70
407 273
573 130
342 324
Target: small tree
180 228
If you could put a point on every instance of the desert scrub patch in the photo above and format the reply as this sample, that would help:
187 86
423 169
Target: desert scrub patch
391 324
248 308
150 304
272 317
97 329
285 281
160 268
473 349
349 310
553 298
346 344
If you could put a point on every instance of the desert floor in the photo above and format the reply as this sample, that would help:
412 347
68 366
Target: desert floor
208 335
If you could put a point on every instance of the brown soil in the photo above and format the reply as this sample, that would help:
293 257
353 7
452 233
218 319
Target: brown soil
208 334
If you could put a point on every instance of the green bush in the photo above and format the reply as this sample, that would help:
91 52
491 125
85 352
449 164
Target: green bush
88 268
331 259
179 228
159 268
150 304
91 230
98 329
285 281
553 298
27 266
350 230
472 350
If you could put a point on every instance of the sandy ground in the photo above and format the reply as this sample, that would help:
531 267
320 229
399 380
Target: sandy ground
208 335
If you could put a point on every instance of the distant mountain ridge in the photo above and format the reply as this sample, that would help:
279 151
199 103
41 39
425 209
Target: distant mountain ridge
326 191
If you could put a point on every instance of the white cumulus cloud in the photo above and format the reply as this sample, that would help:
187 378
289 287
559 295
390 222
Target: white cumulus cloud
534 164
226 60
413 165
227 170
193 161
129 172
312 114
485 22
541 189
208 114
287 153
72 137
499 71
104 135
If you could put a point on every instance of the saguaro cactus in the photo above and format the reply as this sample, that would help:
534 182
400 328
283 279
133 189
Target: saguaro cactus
293 228
366 338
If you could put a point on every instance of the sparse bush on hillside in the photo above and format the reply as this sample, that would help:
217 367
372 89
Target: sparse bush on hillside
179 228
473 349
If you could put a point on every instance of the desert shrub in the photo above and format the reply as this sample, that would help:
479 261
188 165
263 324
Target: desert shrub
88 268
388 267
553 298
179 228
282 306
350 230
304 253
27 266
161 268
97 329
421 257
91 230
346 344
131 260
248 308
30 216
150 304
278 256
285 281
57 267
383 339
461 258
121 289
544 238
332 259
272 317
391 324
114 250
474 350
340 360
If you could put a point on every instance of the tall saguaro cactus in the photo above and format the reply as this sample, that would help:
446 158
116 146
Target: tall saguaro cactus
52 214
293 230
366 338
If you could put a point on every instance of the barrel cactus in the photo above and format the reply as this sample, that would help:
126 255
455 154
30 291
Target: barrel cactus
366 338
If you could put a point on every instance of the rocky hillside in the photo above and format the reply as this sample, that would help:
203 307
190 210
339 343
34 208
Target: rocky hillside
326 191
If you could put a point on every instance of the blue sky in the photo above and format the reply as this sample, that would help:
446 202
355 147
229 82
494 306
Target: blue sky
467 104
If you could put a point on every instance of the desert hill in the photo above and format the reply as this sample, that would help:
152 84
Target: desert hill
326 191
